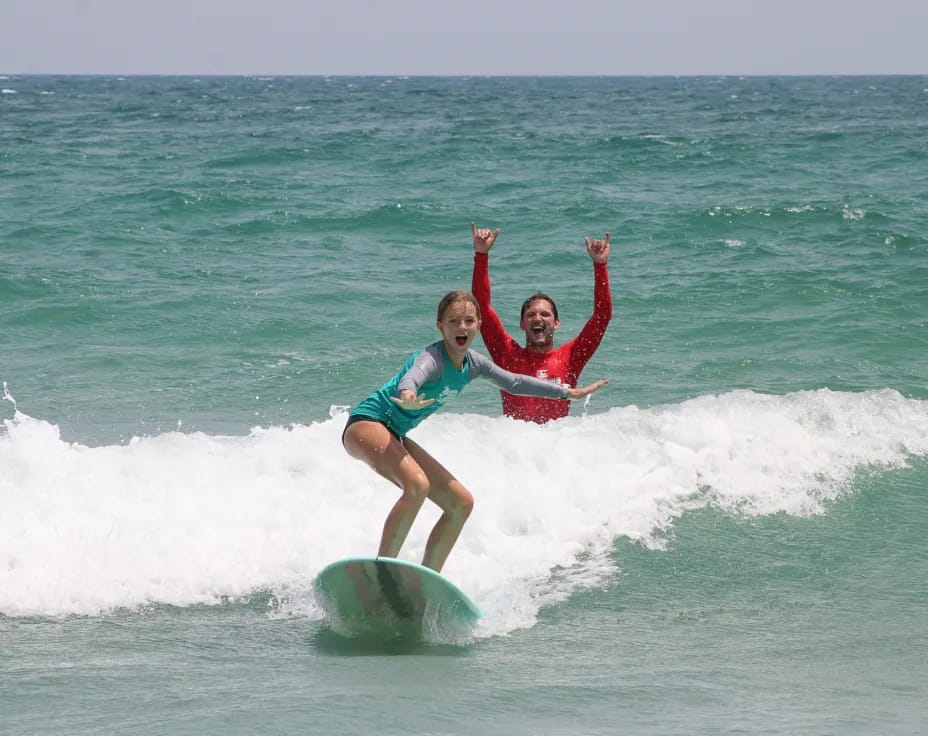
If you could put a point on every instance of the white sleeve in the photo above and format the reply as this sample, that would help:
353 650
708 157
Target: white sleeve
427 366
514 383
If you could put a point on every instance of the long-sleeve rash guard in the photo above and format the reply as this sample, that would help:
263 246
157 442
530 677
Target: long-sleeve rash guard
562 365
432 373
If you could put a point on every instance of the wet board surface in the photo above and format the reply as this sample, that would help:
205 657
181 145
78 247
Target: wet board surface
371 595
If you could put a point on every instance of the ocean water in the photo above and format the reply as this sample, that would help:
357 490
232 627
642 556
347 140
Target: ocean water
199 275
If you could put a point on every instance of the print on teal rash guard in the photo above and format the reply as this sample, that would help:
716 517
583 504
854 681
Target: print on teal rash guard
430 372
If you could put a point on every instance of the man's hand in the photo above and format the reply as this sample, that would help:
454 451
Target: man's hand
598 249
483 238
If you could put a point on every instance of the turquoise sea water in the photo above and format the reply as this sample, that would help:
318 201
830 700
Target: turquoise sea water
198 275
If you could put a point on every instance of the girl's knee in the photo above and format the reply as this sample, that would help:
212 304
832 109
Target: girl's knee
465 503
416 487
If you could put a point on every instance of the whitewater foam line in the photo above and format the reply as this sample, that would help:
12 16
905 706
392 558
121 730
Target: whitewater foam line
192 518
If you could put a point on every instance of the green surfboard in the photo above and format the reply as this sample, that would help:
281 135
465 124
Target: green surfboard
390 597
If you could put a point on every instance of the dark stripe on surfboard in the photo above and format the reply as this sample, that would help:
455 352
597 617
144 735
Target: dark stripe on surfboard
391 591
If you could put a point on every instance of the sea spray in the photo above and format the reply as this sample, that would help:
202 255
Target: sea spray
184 519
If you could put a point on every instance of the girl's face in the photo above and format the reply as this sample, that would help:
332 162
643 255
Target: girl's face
459 326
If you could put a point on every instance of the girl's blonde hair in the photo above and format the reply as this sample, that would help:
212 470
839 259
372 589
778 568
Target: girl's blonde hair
456 296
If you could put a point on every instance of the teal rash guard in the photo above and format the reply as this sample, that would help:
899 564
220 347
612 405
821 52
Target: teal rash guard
431 372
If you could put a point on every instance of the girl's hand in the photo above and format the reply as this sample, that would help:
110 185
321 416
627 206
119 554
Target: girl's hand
581 391
410 402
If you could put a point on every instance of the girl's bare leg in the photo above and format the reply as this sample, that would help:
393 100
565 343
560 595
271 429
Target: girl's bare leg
375 445
452 497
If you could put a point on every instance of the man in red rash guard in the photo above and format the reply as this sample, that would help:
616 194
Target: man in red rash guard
539 320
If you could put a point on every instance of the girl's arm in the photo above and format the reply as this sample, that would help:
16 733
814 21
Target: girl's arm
517 383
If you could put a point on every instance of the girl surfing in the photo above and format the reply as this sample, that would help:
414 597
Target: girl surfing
377 427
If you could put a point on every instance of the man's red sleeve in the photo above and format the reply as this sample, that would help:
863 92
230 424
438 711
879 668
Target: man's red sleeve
494 334
592 333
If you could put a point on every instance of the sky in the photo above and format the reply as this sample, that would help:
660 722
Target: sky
480 37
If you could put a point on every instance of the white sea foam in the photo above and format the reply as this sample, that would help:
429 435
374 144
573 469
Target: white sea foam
189 519
852 213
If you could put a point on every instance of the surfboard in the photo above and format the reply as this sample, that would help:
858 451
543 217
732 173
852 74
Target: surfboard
390 597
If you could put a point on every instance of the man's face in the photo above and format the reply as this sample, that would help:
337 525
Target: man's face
539 324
